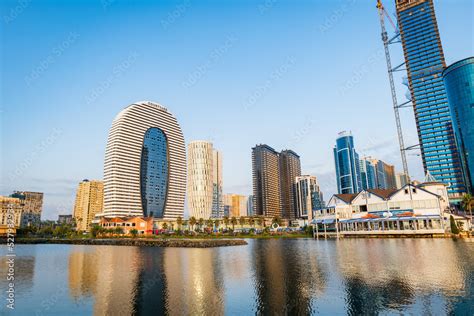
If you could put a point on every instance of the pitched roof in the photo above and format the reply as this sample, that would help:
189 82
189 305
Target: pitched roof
383 193
346 197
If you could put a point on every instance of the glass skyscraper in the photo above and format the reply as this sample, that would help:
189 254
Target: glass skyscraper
459 83
425 63
347 165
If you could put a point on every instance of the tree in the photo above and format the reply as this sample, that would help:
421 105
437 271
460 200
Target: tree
96 230
201 222
164 226
217 223
226 221
179 221
118 230
260 221
233 221
454 227
242 221
467 203
134 233
192 222
252 221
209 223
276 220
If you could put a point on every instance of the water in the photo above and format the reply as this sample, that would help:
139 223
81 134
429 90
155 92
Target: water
297 277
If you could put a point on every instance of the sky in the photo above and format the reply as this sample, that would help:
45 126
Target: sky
290 74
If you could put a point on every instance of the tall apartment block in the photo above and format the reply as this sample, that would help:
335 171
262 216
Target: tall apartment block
266 181
290 168
217 195
459 82
425 63
32 206
89 202
308 196
347 163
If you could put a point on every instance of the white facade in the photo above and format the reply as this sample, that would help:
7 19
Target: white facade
307 189
200 179
123 156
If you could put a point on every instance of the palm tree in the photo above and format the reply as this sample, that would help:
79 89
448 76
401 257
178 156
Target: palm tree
217 223
252 221
179 221
192 222
276 220
164 226
260 221
467 203
242 221
233 221
201 222
209 223
226 221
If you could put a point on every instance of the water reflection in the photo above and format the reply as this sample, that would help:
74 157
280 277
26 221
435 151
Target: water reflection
352 276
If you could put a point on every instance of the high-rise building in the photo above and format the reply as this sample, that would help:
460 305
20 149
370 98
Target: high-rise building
89 202
250 208
200 179
290 168
401 180
32 206
10 212
385 176
368 173
266 181
424 59
145 164
459 82
308 196
236 205
217 199
347 165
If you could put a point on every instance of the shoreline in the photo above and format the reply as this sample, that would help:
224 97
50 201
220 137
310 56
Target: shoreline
140 242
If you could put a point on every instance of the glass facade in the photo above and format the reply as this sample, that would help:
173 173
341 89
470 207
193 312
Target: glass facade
368 173
154 173
425 62
459 83
347 165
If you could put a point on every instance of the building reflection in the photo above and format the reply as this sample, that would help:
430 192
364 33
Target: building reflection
287 277
194 282
393 272
110 276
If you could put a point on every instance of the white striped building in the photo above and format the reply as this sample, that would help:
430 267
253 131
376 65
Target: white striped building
127 169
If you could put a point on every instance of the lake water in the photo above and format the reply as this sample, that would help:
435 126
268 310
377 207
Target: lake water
297 277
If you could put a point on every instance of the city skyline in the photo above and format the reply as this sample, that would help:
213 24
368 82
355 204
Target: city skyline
49 168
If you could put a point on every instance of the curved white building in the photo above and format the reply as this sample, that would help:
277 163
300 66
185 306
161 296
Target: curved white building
145 164
200 179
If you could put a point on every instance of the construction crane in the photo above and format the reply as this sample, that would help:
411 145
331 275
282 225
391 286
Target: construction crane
386 41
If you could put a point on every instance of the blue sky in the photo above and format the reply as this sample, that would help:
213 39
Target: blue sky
290 74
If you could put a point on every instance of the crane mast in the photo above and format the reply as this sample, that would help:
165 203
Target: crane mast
396 107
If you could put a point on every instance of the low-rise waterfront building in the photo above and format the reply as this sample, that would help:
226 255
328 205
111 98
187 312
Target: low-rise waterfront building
413 209
10 214
143 225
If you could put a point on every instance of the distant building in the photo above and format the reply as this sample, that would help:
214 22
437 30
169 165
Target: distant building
347 164
308 196
250 208
64 219
10 213
266 181
217 195
368 173
401 180
290 168
385 176
89 202
424 61
459 83
143 225
32 207
236 205
145 164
